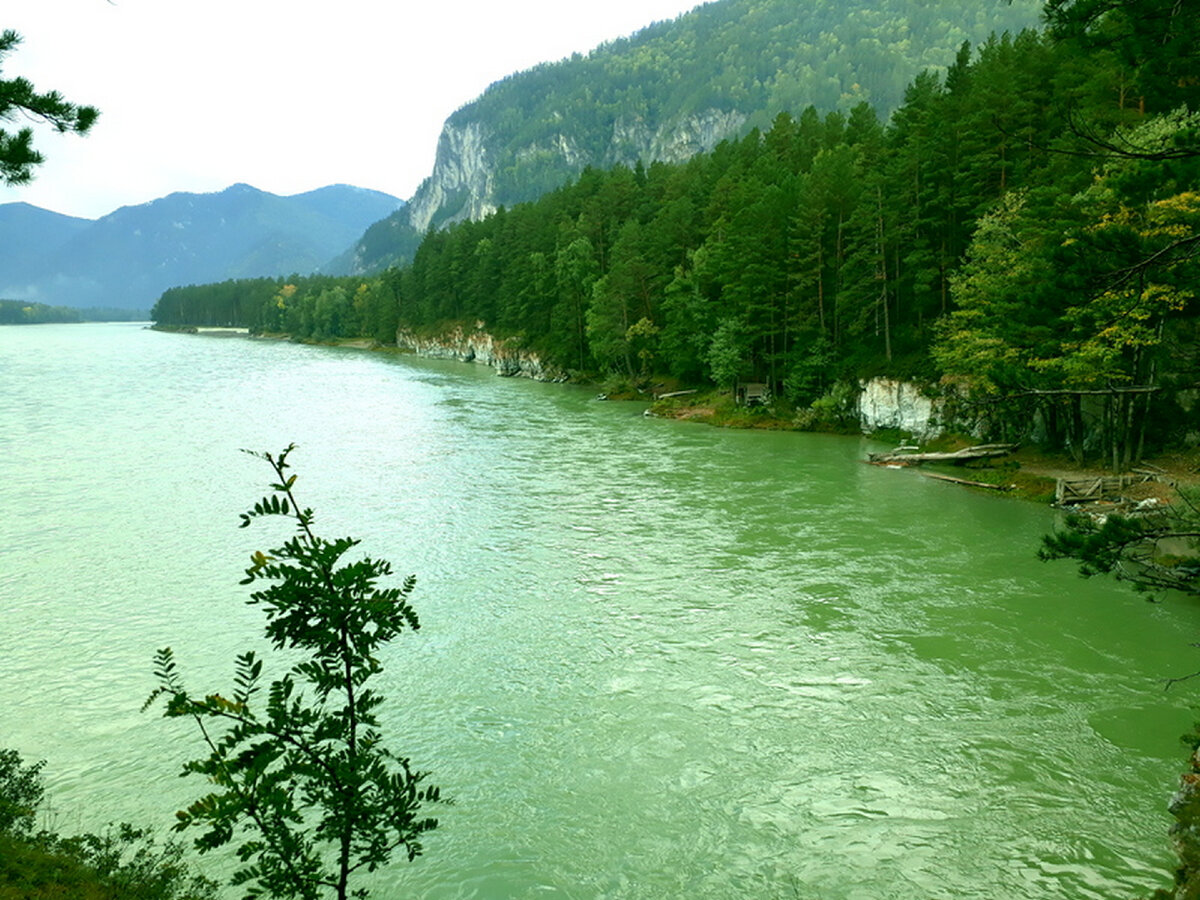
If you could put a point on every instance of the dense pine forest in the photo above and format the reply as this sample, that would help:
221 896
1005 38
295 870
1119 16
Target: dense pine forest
673 89
1022 231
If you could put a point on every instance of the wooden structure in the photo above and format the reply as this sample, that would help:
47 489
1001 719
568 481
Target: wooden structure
747 393
1090 490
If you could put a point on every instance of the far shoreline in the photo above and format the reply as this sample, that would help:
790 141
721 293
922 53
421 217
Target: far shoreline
1027 474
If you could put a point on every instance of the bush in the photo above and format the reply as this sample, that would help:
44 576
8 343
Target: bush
123 863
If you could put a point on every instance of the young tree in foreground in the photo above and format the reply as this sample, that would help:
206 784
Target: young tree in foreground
19 98
304 781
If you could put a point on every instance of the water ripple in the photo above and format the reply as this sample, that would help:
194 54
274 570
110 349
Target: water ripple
657 660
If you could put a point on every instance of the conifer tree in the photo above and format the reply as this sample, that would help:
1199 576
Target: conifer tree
18 97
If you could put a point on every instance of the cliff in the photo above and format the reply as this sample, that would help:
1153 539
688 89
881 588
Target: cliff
473 176
886 403
507 357
675 89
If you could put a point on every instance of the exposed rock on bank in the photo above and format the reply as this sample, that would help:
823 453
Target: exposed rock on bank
887 403
478 346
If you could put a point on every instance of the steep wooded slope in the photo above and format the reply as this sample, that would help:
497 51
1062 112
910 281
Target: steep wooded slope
675 89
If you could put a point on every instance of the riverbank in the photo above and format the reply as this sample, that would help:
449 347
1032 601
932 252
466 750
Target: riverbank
1028 473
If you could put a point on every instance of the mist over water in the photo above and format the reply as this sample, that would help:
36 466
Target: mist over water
656 660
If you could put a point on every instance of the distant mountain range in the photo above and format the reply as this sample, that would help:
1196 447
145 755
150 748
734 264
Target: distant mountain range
129 257
670 91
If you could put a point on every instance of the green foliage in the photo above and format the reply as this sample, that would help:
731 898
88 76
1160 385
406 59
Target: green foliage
18 312
727 353
1156 550
832 411
1020 227
123 862
300 774
759 57
1084 292
1151 43
19 99
21 792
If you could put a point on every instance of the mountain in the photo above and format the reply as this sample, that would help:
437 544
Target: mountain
675 89
28 235
129 257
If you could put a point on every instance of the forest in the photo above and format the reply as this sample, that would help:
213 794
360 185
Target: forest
19 312
651 95
770 57
1021 234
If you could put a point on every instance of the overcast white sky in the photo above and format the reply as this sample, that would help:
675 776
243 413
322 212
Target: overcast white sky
286 95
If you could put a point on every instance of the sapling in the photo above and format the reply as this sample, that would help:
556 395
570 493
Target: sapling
301 779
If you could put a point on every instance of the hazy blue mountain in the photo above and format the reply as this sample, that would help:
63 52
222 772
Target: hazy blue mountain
674 89
28 234
129 257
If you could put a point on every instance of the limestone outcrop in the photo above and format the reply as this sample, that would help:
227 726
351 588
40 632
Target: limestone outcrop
478 346
460 186
466 182
888 403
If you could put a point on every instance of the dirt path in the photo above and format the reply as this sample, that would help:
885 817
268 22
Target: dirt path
1175 469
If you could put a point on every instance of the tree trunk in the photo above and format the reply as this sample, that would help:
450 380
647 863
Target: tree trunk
1077 433
882 273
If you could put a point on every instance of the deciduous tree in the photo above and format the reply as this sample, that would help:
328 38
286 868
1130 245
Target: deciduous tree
301 778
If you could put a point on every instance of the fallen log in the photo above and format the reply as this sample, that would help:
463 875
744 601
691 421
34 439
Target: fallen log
978 484
966 454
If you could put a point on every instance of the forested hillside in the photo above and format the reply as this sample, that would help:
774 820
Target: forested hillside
677 88
1025 229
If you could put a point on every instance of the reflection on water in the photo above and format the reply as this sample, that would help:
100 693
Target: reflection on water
657 659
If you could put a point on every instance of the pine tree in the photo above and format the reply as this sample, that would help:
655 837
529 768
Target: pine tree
19 98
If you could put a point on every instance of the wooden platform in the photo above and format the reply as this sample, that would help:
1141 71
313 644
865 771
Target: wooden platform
1090 490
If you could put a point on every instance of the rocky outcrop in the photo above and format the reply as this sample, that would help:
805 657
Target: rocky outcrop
676 140
478 346
1185 835
461 184
887 403
464 184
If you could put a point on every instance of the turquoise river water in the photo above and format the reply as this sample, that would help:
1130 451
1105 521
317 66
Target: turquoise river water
658 660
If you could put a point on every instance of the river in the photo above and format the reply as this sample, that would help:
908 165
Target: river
657 659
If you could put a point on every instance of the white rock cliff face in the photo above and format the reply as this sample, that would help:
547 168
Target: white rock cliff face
886 403
463 180
674 141
480 347
462 169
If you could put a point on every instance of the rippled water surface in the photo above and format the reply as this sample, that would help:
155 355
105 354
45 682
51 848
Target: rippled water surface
657 659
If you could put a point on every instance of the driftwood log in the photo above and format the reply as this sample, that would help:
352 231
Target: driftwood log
906 458
673 394
978 484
